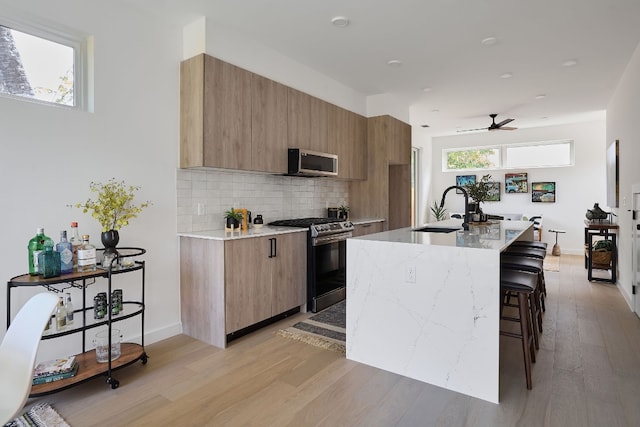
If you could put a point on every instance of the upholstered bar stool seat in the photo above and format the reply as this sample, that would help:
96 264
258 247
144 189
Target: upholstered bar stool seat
530 244
522 284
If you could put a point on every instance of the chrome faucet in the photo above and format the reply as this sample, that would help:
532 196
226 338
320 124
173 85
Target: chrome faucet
465 221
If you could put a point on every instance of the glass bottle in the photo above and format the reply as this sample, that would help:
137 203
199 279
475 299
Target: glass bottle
65 249
76 242
69 309
86 255
61 315
36 245
48 261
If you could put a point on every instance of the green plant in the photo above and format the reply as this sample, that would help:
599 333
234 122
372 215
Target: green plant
234 214
113 207
479 191
344 209
439 212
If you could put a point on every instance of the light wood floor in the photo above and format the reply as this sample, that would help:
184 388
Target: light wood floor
587 374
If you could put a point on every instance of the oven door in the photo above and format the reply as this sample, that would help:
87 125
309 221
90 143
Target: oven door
327 271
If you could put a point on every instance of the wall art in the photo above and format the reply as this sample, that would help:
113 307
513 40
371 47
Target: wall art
543 192
462 180
494 192
516 183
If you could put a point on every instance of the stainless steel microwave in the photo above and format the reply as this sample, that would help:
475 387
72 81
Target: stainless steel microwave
311 163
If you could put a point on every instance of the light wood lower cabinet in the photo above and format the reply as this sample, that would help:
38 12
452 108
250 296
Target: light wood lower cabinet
367 228
226 286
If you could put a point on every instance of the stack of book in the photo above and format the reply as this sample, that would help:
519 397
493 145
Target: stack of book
54 370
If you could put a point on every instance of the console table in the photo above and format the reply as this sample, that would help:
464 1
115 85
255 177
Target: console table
607 231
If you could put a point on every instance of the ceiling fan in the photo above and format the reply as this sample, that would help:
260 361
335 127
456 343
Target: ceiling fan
494 125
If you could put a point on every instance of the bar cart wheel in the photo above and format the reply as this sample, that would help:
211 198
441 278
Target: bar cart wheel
144 358
114 383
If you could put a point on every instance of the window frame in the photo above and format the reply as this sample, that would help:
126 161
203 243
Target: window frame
503 155
82 46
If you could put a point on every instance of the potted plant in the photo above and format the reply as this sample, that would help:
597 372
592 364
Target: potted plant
233 218
113 209
343 212
439 212
479 192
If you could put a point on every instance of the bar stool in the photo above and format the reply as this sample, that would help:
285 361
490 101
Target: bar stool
529 244
530 252
532 265
522 284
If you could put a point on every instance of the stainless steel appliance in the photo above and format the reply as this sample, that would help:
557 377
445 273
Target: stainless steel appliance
311 163
326 259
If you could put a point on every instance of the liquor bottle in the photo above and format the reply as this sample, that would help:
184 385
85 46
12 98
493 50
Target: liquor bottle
65 249
69 309
76 242
48 261
61 315
86 255
36 245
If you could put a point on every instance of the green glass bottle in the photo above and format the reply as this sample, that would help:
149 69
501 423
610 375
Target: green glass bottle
36 245
49 261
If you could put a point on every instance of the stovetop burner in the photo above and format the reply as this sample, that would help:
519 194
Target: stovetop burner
303 222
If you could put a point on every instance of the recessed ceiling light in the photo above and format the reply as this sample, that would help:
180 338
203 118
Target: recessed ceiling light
541 96
394 63
570 63
427 89
435 111
340 21
489 41
425 126
506 76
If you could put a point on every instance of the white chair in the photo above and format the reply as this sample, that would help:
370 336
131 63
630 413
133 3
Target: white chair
18 353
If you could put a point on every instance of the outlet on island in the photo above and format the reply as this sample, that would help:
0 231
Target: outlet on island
410 274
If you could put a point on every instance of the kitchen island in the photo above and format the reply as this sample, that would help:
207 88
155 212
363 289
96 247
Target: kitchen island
426 304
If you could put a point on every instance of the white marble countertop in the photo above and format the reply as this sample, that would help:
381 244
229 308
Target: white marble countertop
265 230
493 235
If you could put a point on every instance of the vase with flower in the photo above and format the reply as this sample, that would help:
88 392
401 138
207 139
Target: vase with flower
113 209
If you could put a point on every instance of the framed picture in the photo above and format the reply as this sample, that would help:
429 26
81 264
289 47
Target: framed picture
613 174
494 192
462 180
516 183
543 192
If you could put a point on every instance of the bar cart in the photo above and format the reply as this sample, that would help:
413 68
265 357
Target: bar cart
125 262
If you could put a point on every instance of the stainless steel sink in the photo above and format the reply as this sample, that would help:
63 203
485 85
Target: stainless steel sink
437 229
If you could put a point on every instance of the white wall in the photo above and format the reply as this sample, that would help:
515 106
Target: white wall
50 155
577 187
622 124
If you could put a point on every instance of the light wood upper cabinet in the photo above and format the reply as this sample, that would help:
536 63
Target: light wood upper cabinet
215 100
264 277
234 119
398 142
268 125
347 138
307 122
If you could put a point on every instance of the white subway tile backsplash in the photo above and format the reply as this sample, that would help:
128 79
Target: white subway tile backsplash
273 196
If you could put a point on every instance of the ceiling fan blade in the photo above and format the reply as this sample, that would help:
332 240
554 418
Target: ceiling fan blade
504 122
469 130
502 128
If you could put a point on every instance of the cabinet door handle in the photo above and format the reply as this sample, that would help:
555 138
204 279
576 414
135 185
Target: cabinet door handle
271 247
275 247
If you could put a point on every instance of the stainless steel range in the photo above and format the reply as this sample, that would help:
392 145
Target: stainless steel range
326 259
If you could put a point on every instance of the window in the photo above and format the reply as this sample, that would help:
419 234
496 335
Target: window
509 156
41 65
471 158
539 155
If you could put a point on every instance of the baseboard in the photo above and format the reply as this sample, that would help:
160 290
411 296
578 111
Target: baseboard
156 335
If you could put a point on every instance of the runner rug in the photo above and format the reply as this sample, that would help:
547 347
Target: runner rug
551 263
326 329
41 415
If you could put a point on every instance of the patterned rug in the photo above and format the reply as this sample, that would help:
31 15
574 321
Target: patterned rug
40 415
551 263
326 329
